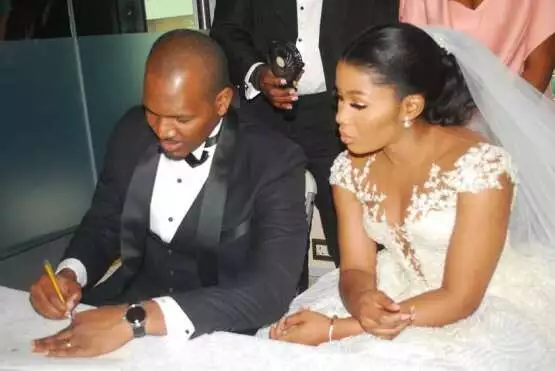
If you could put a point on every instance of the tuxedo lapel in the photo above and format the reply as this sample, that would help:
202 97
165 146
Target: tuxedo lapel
136 209
286 12
213 201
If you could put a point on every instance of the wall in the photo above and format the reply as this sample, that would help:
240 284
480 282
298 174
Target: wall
60 96
45 157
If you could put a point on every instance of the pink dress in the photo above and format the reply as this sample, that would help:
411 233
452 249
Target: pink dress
512 29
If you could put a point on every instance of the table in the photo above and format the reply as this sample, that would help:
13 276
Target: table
219 351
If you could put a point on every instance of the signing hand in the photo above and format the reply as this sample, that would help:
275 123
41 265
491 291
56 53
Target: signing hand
275 91
304 327
91 333
46 302
380 316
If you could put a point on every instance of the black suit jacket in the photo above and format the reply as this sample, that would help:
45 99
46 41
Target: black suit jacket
245 29
256 176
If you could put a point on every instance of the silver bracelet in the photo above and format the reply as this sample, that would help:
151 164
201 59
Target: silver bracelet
330 330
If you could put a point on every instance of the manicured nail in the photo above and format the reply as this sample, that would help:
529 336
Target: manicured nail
283 82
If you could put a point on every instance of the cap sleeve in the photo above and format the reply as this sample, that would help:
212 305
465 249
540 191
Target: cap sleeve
341 172
481 168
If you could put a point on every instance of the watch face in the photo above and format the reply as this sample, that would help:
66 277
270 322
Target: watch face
136 314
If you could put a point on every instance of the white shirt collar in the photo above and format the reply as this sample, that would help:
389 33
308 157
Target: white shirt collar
198 152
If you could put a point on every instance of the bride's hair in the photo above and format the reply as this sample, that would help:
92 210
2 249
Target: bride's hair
406 57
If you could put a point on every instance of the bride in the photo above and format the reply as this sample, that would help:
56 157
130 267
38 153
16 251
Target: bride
460 279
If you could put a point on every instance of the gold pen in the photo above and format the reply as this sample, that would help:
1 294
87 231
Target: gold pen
50 273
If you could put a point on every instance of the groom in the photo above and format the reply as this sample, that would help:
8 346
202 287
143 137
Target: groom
207 216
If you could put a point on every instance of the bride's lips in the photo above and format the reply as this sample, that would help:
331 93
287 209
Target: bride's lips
346 139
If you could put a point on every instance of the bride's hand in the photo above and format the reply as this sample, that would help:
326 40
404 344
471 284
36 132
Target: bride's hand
304 327
380 316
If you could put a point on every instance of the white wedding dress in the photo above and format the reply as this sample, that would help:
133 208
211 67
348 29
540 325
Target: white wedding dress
513 329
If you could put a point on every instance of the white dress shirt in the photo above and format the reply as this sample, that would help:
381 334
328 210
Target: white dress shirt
176 187
313 81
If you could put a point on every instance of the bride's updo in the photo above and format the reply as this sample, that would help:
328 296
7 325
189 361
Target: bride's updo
407 58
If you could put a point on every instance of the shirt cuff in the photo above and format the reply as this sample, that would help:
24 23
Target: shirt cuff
177 322
77 267
250 91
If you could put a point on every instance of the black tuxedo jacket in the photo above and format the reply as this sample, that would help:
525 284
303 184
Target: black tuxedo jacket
245 29
240 248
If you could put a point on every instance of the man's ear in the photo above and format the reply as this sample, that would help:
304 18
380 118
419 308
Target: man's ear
223 101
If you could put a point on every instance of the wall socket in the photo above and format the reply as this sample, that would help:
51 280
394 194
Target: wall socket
320 250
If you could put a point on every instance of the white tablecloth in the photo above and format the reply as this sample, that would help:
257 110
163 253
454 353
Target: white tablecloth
216 352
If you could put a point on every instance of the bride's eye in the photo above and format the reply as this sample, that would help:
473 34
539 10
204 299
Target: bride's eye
358 106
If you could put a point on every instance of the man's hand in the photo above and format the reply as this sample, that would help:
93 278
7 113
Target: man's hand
46 302
380 316
274 89
304 327
91 333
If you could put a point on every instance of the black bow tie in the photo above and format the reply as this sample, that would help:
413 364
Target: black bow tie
193 161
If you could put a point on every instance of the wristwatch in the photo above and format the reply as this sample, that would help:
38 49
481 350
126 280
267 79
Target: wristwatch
136 317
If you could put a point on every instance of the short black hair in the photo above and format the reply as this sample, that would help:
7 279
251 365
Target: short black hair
180 44
407 58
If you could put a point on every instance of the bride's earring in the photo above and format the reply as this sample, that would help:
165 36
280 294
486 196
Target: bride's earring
407 123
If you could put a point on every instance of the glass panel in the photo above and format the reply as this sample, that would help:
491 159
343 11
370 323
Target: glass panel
104 17
33 19
45 168
113 69
5 9
108 17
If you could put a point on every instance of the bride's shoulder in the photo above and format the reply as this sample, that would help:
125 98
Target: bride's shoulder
474 164
341 171
347 167
467 147
481 166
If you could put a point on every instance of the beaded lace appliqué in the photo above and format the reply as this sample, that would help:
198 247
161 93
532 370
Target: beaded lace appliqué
478 169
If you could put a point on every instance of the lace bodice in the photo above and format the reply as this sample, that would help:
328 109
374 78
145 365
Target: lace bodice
509 330
419 245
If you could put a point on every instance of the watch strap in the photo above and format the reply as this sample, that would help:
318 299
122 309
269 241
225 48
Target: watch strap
138 327
138 331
